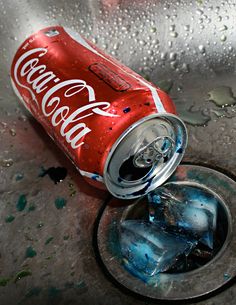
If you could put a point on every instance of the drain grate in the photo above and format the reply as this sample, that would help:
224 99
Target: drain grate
201 275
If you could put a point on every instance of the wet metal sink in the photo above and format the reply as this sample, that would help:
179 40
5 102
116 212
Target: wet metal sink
47 256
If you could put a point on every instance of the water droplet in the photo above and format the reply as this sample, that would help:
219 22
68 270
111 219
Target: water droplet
19 176
60 203
94 40
187 27
163 55
202 49
173 65
21 203
4 125
199 12
173 56
48 240
6 162
185 68
226 276
153 30
9 218
173 34
40 225
223 28
150 52
223 38
30 252
12 132
142 42
116 46
22 274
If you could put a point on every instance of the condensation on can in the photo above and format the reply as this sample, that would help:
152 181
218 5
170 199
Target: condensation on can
120 131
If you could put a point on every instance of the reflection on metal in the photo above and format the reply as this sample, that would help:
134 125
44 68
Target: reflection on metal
161 147
168 137
174 285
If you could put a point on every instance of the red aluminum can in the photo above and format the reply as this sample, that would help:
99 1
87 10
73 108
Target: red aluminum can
119 130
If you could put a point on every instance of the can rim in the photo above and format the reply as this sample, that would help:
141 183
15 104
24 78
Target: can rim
152 183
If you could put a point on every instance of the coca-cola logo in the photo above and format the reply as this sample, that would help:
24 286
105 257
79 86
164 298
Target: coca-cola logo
39 80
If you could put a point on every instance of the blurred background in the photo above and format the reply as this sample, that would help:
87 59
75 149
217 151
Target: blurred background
188 49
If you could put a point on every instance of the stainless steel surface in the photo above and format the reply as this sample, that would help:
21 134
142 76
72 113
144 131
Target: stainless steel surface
174 286
187 47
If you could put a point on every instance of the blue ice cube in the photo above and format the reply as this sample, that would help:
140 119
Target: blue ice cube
148 250
186 210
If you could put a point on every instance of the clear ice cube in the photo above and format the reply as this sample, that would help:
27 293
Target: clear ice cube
147 249
184 210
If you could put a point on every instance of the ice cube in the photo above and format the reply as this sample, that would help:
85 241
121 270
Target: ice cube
185 210
148 250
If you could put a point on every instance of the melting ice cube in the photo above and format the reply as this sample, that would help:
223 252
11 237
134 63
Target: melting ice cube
148 250
185 210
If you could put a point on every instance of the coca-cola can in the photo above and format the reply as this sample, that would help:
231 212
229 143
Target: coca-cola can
120 131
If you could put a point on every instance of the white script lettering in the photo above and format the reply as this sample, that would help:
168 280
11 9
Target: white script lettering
39 79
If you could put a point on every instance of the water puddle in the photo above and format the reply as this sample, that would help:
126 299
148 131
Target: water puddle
222 96
195 118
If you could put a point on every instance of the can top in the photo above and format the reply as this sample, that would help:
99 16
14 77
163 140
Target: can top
145 155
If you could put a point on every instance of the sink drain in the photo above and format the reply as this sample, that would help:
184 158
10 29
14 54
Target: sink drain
203 273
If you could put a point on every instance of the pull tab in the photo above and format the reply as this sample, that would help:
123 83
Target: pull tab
160 148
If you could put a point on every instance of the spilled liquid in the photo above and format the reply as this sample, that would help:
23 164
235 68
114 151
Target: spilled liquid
30 252
21 274
222 96
56 174
175 229
15 278
165 85
60 203
195 118
48 240
9 218
21 203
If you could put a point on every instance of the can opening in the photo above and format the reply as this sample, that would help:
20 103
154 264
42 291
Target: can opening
145 155
128 171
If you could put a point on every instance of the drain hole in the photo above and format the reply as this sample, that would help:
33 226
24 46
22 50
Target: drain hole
138 245
131 173
180 227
